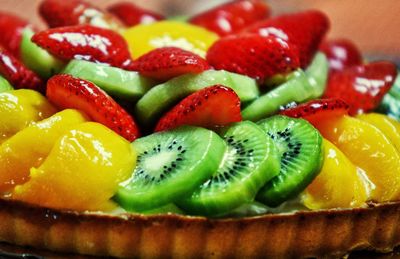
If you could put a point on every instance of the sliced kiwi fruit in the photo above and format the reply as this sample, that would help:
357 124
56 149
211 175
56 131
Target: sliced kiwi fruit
250 161
162 97
300 147
38 59
123 84
170 165
5 85
390 106
317 73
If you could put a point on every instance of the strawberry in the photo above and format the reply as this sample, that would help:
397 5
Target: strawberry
210 107
66 91
131 14
317 110
306 30
341 53
253 55
232 17
168 62
85 42
18 74
363 86
11 28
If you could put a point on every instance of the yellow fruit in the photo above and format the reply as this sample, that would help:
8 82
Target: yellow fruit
30 146
21 108
338 185
144 38
82 171
369 149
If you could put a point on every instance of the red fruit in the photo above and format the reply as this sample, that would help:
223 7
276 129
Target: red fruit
363 86
210 107
316 110
305 29
85 42
131 14
341 54
168 62
18 74
253 55
66 91
232 17
11 27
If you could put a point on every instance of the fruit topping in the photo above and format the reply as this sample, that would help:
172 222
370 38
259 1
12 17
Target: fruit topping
168 62
131 14
66 91
85 42
232 17
4 85
93 161
170 165
362 87
254 55
299 145
11 27
211 107
251 160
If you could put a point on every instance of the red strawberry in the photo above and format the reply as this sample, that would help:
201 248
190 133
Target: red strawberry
85 42
317 110
131 14
253 55
305 29
11 28
363 86
168 62
232 17
17 74
66 91
210 107
341 54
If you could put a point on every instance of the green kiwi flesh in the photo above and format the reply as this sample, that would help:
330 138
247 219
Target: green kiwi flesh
5 85
250 161
317 73
390 104
162 97
123 84
300 147
170 165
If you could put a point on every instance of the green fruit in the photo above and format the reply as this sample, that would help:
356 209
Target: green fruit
317 73
390 106
5 85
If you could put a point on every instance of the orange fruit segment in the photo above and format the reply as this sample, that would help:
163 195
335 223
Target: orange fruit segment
82 171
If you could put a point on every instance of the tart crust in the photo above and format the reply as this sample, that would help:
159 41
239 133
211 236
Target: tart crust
301 234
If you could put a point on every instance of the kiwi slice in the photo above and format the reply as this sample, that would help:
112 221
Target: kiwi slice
5 85
162 97
170 165
123 84
300 147
250 161
38 59
390 106
317 73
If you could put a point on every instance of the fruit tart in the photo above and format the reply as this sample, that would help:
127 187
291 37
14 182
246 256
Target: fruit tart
232 133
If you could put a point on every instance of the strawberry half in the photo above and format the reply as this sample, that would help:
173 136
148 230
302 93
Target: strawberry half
168 62
85 42
11 27
253 55
210 107
232 17
305 29
341 53
66 91
316 110
131 14
18 74
363 86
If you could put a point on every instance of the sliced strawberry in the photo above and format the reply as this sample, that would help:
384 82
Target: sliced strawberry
210 107
18 74
253 55
66 91
341 53
305 29
85 42
11 27
168 62
131 14
363 86
317 110
232 17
